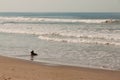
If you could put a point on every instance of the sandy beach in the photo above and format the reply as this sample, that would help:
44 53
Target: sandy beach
16 69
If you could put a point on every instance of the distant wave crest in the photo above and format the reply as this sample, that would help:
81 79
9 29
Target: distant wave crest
30 19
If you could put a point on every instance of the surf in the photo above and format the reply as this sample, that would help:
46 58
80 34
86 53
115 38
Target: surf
5 20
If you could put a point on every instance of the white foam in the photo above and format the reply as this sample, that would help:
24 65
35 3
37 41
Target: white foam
32 19
55 33
79 40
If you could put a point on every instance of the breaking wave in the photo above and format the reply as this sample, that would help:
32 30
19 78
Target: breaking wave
79 41
67 37
105 40
5 20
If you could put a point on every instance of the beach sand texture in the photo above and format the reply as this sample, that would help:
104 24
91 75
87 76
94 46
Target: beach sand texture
15 69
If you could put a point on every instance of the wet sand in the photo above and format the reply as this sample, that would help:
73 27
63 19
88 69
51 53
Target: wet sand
16 69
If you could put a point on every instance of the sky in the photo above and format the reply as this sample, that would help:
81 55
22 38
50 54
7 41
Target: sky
59 5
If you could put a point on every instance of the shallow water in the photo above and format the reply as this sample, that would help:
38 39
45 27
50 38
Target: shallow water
86 55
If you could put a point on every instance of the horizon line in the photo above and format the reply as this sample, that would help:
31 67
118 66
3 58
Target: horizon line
51 12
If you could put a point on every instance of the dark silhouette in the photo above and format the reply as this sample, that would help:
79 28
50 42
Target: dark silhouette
33 54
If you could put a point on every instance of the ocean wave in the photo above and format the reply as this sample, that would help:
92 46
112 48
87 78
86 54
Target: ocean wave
32 19
99 36
72 37
89 41
106 40
52 34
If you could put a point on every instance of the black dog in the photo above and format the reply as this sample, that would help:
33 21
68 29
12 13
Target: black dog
33 54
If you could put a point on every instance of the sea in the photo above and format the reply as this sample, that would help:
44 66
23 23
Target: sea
75 39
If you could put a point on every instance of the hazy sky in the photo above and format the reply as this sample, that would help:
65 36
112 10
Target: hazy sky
59 5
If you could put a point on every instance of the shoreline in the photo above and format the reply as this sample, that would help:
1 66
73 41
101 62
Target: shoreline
17 69
47 63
